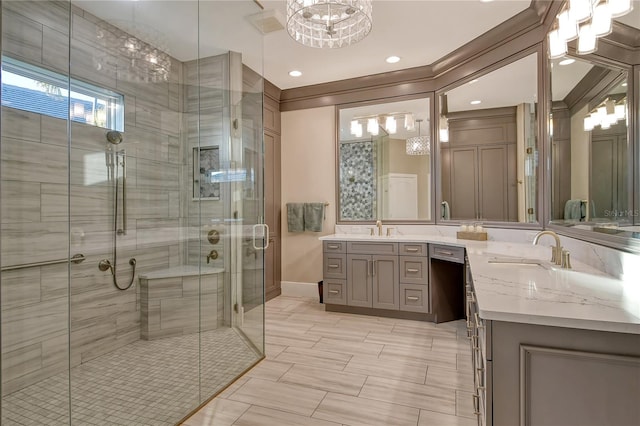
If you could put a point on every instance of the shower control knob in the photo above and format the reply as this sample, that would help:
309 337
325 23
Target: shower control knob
104 265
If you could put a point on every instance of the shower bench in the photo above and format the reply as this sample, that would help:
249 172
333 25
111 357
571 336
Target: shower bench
171 300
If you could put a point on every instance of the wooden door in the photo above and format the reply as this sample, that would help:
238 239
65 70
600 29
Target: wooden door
492 183
464 183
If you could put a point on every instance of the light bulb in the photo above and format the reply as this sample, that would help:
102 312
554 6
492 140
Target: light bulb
588 124
601 22
409 123
567 26
557 46
586 39
621 111
620 7
358 132
372 126
580 10
390 125
444 135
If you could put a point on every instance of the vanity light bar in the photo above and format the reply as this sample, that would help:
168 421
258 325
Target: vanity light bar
373 123
586 20
605 115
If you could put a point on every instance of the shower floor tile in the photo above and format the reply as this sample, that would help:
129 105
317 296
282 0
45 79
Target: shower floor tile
145 383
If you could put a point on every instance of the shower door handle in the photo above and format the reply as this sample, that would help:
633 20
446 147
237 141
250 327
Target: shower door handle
264 233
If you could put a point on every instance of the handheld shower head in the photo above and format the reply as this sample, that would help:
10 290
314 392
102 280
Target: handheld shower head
114 136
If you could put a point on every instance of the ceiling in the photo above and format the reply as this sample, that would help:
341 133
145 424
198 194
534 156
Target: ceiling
420 32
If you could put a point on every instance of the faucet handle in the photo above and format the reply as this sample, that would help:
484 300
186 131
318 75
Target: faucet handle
389 231
372 231
554 255
566 259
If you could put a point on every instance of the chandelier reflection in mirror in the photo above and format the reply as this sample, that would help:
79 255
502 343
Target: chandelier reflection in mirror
328 23
418 145
145 62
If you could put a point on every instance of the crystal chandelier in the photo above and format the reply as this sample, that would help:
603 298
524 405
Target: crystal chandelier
328 23
418 145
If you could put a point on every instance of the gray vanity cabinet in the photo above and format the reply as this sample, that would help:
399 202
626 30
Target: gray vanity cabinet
528 374
372 279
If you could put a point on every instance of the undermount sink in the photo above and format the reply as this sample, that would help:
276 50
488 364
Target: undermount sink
519 261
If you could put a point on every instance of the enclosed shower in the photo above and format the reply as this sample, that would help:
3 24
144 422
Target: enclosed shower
131 183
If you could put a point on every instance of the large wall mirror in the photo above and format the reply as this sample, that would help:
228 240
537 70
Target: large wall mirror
592 165
489 146
384 161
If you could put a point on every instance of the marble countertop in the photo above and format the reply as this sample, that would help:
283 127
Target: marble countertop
538 293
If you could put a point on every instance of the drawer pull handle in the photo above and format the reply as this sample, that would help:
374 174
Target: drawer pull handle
413 270
334 292
476 404
477 320
334 266
414 298
411 249
333 246
447 253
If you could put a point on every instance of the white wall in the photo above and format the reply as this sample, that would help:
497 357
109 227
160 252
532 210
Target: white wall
308 175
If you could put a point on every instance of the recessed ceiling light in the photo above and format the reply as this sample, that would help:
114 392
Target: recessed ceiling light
624 84
486 1
475 80
392 59
295 73
567 61
475 102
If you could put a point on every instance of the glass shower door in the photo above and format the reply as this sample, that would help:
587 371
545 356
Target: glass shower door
122 181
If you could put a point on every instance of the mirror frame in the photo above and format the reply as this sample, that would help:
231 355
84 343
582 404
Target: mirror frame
539 50
628 242
432 132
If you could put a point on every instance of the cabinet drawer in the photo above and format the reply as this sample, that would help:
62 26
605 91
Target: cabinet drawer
413 249
357 247
414 298
449 253
414 270
334 246
334 292
335 266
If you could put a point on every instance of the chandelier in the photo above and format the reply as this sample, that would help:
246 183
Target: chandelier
418 145
585 20
328 23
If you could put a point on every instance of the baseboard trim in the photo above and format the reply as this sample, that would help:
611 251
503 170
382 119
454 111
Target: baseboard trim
299 289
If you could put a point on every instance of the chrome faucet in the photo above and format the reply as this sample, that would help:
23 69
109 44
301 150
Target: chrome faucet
556 252
379 225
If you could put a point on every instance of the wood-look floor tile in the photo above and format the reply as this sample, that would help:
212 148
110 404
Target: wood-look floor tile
259 416
411 394
408 370
272 351
464 404
348 347
400 339
334 332
233 387
401 353
355 411
450 345
450 378
323 379
314 357
318 318
464 363
280 396
219 412
269 370
432 418
298 341
369 324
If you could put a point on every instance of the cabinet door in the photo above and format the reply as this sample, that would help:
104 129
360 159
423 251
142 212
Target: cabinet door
386 285
359 280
